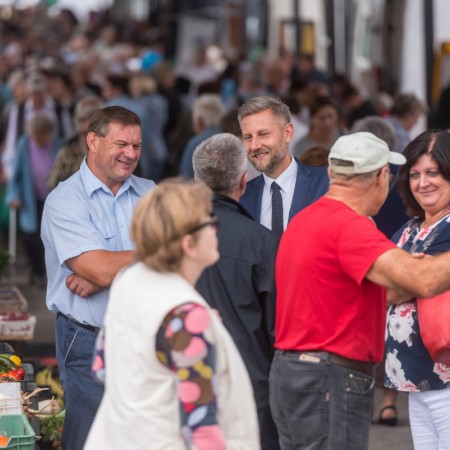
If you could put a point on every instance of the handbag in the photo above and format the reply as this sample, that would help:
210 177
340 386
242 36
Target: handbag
434 324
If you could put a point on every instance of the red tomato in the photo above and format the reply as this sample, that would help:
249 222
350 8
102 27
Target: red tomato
13 374
20 373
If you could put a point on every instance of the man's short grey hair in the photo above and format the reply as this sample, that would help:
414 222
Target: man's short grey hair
220 162
407 103
209 108
343 178
259 104
380 127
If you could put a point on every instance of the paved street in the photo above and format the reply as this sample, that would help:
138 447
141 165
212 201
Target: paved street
389 438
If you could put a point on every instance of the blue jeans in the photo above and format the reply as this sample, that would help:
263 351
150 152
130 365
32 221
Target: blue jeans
82 396
320 406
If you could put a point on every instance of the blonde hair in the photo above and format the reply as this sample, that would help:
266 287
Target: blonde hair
85 108
163 216
40 125
141 84
208 108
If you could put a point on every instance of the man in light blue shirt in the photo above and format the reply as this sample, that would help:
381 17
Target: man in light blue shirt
85 228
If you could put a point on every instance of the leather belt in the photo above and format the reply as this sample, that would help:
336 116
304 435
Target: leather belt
82 325
332 358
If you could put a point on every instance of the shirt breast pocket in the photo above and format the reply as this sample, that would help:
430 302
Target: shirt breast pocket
105 230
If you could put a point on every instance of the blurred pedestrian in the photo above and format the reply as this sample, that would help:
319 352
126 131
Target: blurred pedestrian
37 102
315 156
143 89
116 92
404 115
323 126
392 214
207 112
28 187
74 150
356 105
189 387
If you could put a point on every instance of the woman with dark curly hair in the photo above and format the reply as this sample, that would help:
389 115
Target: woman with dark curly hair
424 184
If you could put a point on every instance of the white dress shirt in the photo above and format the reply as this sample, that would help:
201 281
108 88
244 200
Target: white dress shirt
286 181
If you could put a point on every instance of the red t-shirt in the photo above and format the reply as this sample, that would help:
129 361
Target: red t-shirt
323 300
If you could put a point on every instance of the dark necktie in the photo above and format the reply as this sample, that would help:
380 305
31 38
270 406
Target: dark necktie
277 210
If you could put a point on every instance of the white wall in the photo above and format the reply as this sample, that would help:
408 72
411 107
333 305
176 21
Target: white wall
312 10
82 7
441 22
413 78
442 34
278 10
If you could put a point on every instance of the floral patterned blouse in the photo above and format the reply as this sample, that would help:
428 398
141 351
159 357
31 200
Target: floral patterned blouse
408 365
182 345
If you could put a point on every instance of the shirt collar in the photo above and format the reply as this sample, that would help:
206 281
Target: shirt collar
285 179
92 183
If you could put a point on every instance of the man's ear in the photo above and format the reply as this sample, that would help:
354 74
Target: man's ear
379 177
91 141
289 132
385 171
243 184
198 124
329 172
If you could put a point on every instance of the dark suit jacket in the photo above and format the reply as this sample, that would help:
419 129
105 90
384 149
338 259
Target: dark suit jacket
312 183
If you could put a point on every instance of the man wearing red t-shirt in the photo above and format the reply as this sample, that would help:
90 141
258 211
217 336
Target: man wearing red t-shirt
332 269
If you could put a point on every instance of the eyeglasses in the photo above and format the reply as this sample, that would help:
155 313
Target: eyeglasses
214 222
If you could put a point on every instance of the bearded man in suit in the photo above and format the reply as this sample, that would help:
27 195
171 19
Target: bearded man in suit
286 185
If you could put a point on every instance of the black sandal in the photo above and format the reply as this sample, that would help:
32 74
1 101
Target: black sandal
390 421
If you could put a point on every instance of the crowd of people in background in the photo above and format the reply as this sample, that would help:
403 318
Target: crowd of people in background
56 72
50 63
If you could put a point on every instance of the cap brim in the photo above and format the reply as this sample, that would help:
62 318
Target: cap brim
396 158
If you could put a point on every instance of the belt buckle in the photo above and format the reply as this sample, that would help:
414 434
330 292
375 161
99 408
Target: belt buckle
309 358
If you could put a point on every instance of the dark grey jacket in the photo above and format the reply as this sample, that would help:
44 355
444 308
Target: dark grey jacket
241 285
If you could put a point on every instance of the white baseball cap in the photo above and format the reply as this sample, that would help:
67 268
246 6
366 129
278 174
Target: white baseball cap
361 152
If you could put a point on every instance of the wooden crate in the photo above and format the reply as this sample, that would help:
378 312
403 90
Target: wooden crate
11 299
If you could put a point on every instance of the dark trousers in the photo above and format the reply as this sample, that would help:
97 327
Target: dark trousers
320 406
267 430
82 395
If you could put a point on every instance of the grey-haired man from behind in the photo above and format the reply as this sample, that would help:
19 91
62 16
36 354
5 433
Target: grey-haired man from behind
241 285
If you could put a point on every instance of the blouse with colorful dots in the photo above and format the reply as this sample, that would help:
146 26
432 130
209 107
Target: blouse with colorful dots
184 345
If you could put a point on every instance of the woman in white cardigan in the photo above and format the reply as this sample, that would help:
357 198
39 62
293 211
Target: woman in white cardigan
173 377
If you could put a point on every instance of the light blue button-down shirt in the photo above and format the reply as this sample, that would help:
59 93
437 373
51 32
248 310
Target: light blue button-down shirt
82 215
